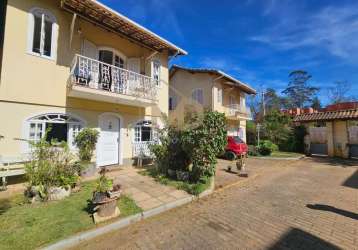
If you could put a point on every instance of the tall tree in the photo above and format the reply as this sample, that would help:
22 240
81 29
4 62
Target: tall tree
340 91
316 103
298 90
272 100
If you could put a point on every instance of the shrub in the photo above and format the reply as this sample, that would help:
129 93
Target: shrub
193 148
86 142
203 140
51 165
266 147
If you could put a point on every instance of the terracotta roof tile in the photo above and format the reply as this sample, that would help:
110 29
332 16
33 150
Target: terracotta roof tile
328 115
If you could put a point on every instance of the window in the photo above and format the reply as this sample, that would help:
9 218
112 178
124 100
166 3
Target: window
144 132
220 96
42 33
62 127
172 102
156 72
197 96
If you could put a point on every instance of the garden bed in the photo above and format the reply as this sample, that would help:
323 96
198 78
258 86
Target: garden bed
191 188
29 226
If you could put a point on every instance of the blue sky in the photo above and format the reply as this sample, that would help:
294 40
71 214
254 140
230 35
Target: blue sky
258 41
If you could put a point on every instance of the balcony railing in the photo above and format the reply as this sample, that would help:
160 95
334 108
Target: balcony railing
98 75
142 149
236 109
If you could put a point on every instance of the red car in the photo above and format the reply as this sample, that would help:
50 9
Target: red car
235 146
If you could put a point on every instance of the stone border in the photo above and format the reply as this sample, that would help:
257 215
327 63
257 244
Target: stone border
87 235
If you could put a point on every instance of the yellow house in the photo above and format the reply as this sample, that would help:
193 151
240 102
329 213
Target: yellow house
72 64
195 89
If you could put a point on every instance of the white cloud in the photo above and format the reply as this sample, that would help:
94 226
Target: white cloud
334 29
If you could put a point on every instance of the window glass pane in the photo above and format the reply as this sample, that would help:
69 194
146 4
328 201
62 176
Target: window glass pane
37 34
146 133
58 132
106 56
48 38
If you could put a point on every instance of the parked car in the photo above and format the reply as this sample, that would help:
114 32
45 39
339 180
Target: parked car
235 147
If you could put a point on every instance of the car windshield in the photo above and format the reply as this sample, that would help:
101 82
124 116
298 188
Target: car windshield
237 139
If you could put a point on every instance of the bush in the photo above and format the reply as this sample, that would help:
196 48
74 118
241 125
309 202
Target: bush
266 147
51 165
193 148
103 184
86 142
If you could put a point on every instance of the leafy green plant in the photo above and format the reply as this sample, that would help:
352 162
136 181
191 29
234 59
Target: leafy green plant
51 165
266 147
86 142
203 139
103 184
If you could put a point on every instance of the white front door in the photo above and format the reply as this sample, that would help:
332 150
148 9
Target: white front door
108 141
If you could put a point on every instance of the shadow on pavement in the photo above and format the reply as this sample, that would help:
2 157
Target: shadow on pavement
352 181
334 161
296 239
332 209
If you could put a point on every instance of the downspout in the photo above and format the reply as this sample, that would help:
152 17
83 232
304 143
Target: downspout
72 28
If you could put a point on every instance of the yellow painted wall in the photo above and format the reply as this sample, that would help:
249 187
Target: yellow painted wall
182 83
32 85
340 139
25 77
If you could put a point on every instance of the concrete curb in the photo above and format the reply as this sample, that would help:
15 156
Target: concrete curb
77 239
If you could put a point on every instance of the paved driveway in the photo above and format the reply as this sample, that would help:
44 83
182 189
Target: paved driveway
308 204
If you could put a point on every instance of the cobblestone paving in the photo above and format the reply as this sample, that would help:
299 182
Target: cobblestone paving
309 204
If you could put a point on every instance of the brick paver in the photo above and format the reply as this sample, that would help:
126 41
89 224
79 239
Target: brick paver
308 204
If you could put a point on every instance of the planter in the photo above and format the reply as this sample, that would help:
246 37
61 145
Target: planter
105 206
89 169
58 193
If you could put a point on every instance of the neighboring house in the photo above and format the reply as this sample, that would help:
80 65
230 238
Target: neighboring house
332 132
197 89
72 64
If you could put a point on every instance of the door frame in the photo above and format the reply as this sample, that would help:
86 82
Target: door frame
120 134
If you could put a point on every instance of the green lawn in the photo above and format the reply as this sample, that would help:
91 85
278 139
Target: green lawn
191 188
28 226
281 154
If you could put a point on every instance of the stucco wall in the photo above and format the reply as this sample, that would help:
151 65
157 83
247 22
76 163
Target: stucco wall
25 77
32 85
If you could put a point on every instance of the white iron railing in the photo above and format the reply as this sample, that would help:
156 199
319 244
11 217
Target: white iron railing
234 109
94 74
142 148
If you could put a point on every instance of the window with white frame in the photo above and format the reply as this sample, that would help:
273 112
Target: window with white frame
144 132
198 96
43 30
156 71
60 127
220 96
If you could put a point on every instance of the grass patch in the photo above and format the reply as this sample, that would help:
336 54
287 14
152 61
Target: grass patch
29 226
191 188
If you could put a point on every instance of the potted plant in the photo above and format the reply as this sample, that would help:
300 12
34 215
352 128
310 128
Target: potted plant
105 198
86 143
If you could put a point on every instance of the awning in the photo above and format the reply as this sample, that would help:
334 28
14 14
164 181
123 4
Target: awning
97 13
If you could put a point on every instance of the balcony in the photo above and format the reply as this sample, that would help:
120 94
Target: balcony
95 80
236 111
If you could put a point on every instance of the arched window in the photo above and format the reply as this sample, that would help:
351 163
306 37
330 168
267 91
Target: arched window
197 95
62 127
144 132
43 30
